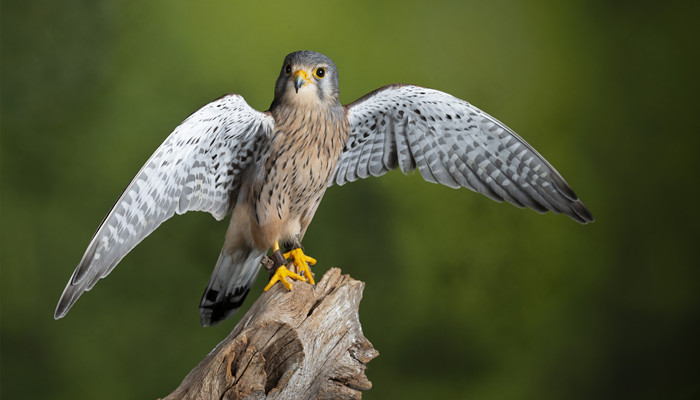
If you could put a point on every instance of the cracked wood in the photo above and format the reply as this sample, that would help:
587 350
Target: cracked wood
303 344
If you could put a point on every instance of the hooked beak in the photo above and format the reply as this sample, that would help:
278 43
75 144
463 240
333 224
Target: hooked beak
300 79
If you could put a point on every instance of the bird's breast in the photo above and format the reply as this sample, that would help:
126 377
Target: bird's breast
304 151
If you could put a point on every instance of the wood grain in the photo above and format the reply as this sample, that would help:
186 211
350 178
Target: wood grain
303 344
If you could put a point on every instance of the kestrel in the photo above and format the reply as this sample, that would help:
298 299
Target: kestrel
270 170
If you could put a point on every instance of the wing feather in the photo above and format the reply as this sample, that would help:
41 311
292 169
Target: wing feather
195 169
451 142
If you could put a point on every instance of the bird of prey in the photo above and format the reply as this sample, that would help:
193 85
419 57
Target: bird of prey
270 170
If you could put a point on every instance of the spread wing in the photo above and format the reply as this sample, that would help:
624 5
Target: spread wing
453 143
196 168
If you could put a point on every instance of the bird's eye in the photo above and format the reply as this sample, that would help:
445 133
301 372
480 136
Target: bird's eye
288 69
320 72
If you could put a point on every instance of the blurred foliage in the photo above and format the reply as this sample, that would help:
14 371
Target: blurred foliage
465 298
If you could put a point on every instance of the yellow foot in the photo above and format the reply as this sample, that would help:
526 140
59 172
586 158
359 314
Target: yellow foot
281 275
302 262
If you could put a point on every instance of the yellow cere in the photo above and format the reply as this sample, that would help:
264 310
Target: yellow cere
303 74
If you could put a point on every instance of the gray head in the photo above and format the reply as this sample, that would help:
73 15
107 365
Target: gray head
307 78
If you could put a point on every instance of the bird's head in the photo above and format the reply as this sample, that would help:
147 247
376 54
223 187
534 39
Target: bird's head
307 79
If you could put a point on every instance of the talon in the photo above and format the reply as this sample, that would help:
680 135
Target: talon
281 275
302 262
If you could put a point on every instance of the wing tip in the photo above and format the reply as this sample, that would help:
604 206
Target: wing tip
59 314
76 284
65 302
577 210
581 213
74 289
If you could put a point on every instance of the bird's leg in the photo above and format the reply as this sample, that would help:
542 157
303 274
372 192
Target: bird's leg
275 260
281 273
277 256
300 260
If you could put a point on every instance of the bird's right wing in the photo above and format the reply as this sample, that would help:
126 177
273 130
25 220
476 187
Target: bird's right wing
196 168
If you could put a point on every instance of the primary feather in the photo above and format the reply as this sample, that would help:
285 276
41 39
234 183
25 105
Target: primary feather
453 143
195 169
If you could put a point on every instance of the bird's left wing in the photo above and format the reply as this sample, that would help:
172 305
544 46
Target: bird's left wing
198 168
453 143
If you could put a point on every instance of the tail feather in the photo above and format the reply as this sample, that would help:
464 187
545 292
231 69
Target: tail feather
229 284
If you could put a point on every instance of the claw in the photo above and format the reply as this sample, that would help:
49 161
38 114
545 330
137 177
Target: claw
281 275
302 262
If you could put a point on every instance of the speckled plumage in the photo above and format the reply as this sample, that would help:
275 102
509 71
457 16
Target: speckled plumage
270 170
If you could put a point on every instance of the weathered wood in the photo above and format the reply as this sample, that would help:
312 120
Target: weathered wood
303 344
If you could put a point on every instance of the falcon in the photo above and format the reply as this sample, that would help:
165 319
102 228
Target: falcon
270 170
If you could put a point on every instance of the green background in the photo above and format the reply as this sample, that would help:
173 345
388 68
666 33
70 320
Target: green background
465 298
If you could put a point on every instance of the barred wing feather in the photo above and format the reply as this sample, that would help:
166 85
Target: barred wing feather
196 168
453 143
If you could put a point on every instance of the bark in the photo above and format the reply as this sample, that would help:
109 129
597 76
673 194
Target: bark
302 344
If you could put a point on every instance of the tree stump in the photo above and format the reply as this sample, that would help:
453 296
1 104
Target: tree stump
301 344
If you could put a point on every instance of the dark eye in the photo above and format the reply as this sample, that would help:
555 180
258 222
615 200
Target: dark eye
288 69
320 72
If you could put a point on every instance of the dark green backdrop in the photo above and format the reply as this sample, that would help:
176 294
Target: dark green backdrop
465 298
